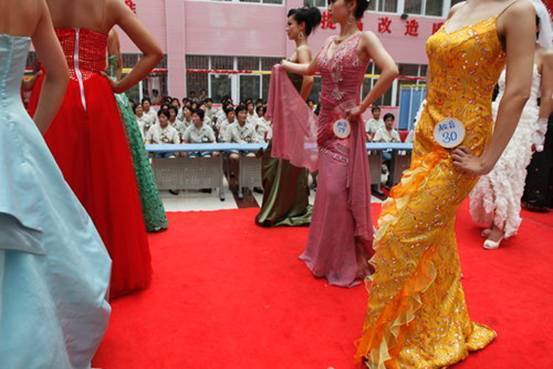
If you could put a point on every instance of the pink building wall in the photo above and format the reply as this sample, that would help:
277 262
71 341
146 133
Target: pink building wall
244 29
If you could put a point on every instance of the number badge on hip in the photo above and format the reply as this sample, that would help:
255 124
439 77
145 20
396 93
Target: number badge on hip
449 133
342 128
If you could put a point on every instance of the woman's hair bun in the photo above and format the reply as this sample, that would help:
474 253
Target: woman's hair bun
310 15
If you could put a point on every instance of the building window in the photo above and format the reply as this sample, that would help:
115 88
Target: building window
424 7
434 8
221 86
317 3
410 70
389 6
368 84
248 63
222 62
413 7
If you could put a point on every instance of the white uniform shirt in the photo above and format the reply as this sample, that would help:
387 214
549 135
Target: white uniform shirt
242 134
383 135
142 124
252 119
150 118
204 134
222 127
373 125
158 135
263 129
180 127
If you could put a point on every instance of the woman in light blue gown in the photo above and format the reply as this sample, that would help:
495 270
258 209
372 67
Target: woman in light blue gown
54 268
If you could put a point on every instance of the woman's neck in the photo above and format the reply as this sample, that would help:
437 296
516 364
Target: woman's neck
347 29
300 41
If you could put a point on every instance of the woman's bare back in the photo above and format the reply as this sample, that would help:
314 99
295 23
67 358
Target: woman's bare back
19 17
95 15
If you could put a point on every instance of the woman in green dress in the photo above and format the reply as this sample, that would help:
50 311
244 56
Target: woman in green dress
152 207
285 187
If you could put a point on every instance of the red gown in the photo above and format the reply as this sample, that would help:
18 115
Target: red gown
88 141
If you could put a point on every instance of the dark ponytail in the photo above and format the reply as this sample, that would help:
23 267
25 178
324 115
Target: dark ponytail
309 15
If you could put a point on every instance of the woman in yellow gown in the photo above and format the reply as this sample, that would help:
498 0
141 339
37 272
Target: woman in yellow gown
417 316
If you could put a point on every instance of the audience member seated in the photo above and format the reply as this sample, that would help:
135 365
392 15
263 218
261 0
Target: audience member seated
150 115
263 126
199 132
141 119
241 131
374 124
210 111
259 102
187 115
311 104
163 133
177 124
251 115
387 134
223 125
176 103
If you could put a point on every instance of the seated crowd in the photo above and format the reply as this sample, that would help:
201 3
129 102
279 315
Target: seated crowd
194 121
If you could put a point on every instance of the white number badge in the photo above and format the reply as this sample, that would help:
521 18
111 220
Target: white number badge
449 133
342 128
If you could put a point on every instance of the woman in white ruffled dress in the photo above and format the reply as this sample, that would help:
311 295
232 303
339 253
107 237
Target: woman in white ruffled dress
495 201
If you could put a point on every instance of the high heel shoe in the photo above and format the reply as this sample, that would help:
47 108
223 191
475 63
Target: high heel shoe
492 245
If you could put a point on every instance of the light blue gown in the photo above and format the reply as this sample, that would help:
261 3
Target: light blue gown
54 268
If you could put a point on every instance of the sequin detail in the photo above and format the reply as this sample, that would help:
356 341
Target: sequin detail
90 47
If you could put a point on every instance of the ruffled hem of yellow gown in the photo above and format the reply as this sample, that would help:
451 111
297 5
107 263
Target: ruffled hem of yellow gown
382 342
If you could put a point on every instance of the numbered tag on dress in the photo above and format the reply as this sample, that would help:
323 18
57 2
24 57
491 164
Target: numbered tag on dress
449 133
342 128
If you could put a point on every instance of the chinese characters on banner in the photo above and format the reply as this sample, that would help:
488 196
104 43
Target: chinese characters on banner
131 4
411 27
326 22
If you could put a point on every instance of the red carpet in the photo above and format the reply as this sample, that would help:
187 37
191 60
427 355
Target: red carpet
229 295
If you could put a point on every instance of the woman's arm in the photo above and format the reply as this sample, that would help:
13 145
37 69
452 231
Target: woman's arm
130 24
114 48
51 55
304 57
304 69
374 50
520 36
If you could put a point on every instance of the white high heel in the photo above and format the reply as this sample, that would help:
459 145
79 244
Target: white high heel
492 245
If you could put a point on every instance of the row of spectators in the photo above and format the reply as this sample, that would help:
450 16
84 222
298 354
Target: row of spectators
193 122
383 130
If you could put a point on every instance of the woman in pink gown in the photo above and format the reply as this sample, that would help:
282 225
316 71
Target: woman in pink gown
340 237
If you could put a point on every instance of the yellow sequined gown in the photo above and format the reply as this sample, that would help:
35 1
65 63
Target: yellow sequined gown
417 316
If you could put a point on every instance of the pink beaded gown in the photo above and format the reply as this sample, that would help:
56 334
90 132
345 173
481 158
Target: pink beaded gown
340 236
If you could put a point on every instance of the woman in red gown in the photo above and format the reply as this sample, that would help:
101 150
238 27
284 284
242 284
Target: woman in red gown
87 137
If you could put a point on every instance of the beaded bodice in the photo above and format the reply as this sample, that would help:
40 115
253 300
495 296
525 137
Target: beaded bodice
342 73
85 51
465 65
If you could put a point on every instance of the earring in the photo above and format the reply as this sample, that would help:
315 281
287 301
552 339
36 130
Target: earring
352 20
301 35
